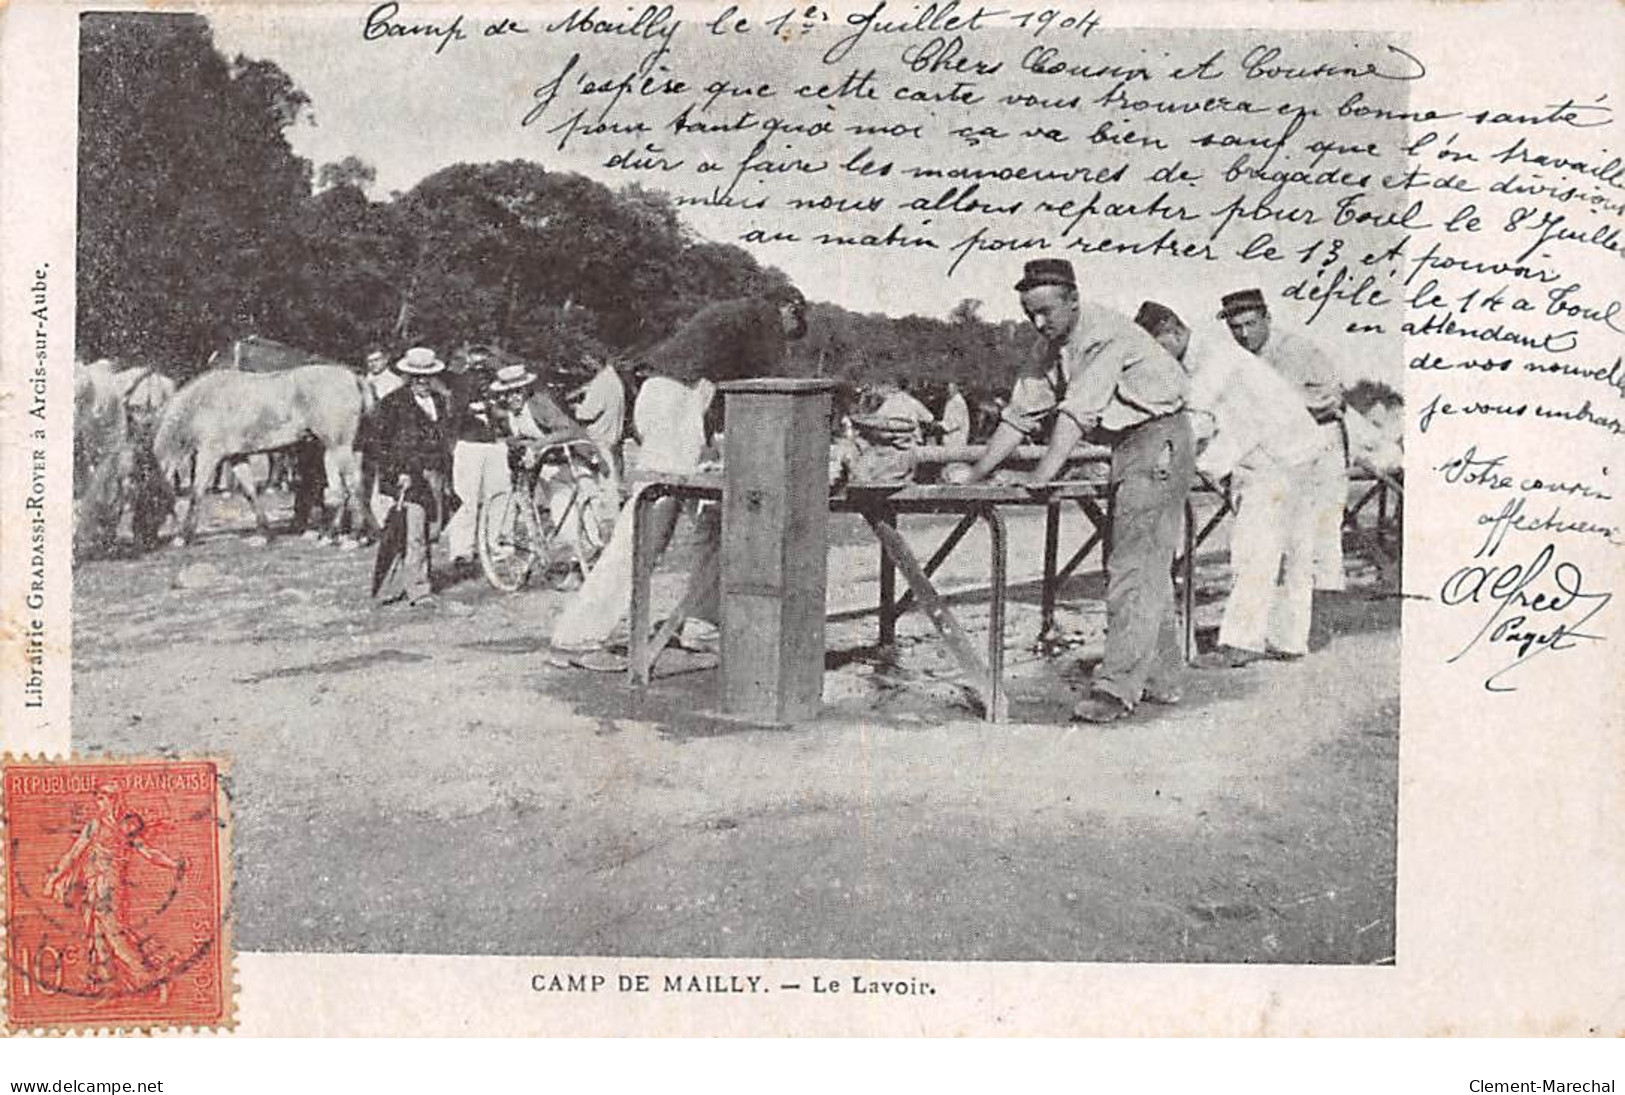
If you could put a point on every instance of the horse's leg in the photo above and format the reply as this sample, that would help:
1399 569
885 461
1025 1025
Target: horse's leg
244 476
350 516
305 460
361 497
366 472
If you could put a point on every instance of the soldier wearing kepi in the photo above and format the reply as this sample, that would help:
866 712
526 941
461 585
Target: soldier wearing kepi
1100 377
1256 432
1308 366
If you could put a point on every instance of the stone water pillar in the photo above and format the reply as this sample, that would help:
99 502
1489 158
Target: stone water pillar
775 518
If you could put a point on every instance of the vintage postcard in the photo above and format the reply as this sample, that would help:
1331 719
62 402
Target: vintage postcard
951 518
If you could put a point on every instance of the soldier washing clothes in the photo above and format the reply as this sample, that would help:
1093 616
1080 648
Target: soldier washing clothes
1258 433
1298 359
1098 376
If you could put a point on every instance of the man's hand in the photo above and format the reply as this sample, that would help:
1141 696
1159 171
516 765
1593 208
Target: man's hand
1031 480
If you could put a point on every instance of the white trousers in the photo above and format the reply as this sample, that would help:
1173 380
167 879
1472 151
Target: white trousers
1328 486
670 420
1272 560
479 470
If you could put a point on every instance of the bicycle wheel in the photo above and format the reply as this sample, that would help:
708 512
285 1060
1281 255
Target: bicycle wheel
510 542
554 554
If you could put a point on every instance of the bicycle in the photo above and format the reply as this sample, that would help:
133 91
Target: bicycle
558 517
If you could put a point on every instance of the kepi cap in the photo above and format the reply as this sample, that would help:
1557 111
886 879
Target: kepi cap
1153 317
1243 300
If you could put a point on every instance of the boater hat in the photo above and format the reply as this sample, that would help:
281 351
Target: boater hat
1047 272
511 378
1153 317
419 361
1244 300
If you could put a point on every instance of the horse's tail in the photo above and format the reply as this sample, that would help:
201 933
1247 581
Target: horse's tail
369 401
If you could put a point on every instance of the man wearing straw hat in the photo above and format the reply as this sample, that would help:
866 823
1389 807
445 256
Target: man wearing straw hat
413 454
1100 377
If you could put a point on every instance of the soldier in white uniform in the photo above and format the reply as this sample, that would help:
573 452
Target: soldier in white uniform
1315 374
1258 433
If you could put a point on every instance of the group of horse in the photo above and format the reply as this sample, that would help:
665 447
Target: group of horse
140 445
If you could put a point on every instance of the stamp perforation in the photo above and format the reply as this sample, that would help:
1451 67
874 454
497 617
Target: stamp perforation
107 875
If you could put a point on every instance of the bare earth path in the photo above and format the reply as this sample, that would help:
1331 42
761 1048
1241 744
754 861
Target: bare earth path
427 783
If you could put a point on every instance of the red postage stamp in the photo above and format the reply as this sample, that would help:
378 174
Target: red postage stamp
117 894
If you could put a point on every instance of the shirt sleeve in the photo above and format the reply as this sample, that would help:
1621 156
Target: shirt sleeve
1031 400
1093 371
592 404
1224 449
1322 388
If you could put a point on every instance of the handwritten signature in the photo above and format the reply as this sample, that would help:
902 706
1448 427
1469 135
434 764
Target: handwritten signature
1530 602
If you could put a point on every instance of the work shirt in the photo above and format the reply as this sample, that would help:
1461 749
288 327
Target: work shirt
955 421
903 407
1309 367
603 408
729 340
1254 417
1107 375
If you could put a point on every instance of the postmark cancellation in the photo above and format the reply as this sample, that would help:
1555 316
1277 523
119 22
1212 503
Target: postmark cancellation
117 895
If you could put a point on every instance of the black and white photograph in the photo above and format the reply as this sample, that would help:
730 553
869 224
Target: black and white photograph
893 484
419 370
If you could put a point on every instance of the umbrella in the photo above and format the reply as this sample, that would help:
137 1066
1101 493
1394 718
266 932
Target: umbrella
391 545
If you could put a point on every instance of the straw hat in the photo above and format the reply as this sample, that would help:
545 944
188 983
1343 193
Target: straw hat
419 361
511 378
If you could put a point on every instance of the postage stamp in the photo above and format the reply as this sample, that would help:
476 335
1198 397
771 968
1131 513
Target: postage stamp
118 887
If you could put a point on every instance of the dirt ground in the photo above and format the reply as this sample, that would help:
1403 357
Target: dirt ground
423 781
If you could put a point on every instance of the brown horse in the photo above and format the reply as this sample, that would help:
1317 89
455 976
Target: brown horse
226 415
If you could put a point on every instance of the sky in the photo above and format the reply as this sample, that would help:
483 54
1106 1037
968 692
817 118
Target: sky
408 110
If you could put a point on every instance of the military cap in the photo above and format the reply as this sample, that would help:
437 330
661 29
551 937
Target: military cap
1040 272
1153 317
1243 300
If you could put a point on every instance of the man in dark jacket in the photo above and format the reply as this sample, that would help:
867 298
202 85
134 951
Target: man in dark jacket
729 340
412 430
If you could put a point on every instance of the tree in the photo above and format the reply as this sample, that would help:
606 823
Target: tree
187 188
967 312
337 275
351 171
